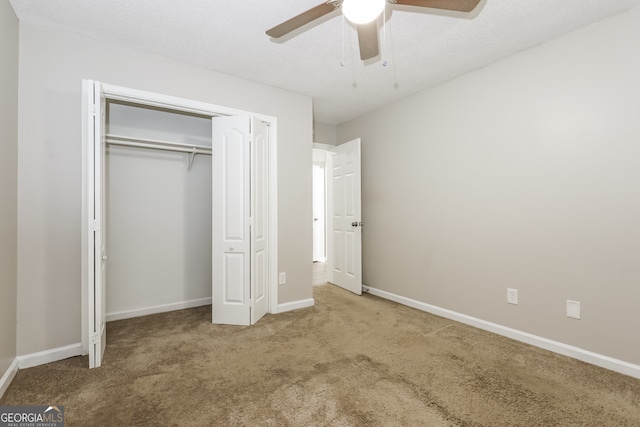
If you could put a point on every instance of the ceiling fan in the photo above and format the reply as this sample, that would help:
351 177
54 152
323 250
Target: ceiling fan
363 14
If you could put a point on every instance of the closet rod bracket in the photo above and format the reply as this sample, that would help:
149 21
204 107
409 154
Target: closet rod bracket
192 155
192 150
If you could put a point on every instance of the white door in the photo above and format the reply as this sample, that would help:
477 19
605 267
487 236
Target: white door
318 213
240 220
96 150
231 233
345 221
259 221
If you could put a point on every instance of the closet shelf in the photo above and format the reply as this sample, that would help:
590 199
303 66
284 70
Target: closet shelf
127 141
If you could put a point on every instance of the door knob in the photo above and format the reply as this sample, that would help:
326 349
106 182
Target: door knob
104 257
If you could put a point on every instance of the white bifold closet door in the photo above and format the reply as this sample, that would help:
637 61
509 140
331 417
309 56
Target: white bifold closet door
240 220
95 150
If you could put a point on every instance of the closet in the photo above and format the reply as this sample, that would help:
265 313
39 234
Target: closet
158 210
179 202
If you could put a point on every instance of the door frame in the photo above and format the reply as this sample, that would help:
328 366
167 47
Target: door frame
319 227
120 93
325 149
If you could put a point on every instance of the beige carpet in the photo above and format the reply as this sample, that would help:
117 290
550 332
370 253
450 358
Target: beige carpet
348 361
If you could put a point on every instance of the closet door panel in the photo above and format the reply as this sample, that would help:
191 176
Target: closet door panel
233 186
95 149
233 274
231 233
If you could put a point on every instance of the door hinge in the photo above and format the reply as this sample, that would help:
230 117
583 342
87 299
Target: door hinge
94 338
251 221
95 225
251 302
92 110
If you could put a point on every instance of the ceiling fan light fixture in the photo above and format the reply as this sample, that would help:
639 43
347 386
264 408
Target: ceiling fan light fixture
362 11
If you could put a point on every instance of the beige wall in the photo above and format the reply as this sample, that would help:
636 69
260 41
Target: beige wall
8 182
324 133
158 212
52 65
523 174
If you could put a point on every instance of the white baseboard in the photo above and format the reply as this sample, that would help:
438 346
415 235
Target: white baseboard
48 356
295 305
547 344
8 376
128 314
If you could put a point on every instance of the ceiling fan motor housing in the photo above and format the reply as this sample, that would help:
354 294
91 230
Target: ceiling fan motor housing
362 11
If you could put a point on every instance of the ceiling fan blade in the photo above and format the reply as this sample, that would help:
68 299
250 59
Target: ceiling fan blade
455 5
368 40
304 18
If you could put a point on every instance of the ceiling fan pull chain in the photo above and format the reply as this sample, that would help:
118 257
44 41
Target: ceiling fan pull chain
343 42
383 49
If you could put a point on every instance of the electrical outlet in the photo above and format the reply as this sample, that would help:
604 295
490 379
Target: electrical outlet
573 309
512 296
282 278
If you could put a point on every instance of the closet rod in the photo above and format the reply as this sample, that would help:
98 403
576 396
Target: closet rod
190 149
157 145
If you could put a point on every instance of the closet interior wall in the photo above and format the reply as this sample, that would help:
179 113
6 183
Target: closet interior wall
158 214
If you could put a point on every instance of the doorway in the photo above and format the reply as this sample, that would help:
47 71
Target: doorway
233 145
319 212
342 236
320 153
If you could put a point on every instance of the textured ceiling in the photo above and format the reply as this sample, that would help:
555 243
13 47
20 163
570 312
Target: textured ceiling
422 47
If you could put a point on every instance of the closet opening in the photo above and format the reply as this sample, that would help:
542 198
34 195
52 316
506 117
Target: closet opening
179 209
158 210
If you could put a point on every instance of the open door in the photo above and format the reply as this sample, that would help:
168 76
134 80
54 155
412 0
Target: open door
95 149
345 222
240 155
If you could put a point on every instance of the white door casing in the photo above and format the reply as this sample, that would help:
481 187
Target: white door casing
101 247
344 218
259 219
319 230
